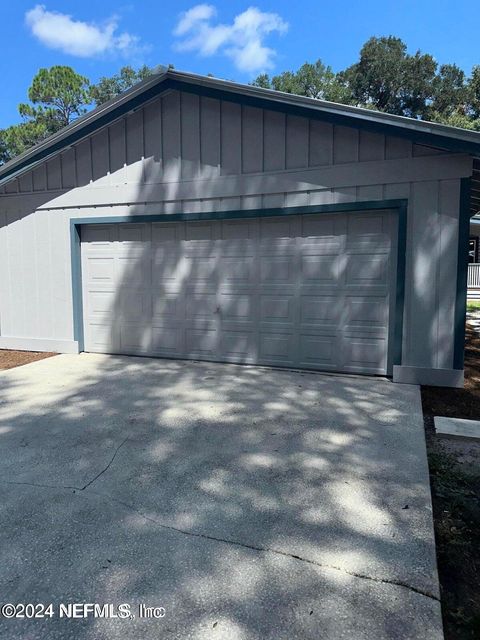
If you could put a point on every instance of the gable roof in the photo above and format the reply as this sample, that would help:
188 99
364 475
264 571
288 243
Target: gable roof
422 132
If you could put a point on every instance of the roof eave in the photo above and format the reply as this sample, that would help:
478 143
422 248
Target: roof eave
450 138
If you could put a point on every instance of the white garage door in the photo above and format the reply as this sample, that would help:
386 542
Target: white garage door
311 291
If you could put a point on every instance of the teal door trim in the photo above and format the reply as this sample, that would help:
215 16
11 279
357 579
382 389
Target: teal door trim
77 297
462 273
398 205
402 212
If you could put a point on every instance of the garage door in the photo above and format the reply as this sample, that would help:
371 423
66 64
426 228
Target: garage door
311 291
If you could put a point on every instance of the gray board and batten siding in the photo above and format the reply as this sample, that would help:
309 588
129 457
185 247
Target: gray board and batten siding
198 158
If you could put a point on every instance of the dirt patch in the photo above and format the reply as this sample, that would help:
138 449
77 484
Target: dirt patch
455 481
458 403
10 359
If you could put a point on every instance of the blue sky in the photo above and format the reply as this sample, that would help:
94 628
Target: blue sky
234 40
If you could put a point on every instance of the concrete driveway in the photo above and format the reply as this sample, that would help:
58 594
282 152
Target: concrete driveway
249 503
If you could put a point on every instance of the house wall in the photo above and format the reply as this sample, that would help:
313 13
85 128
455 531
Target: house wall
475 234
184 153
473 280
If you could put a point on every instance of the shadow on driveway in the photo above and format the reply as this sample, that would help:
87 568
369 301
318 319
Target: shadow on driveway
250 503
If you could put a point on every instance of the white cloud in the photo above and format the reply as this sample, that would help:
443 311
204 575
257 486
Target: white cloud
194 15
83 39
242 40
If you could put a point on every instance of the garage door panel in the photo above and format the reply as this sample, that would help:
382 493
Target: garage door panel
132 270
323 270
279 247
317 309
238 345
369 245
366 224
280 228
201 342
166 305
321 236
280 328
316 247
277 309
168 268
199 249
167 233
375 229
308 291
367 269
167 340
276 270
166 290
100 336
364 354
200 231
133 236
236 307
201 306
237 232
200 268
368 235
135 338
134 305
166 253
238 248
277 236
102 302
323 229
237 271
98 237
100 270
368 312
276 348
318 351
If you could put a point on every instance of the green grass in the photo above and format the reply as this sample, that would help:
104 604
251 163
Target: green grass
473 305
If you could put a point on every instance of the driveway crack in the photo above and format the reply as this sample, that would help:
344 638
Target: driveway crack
261 549
107 467
68 486
237 543
41 485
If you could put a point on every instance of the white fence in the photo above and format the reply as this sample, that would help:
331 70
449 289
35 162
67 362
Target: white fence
473 281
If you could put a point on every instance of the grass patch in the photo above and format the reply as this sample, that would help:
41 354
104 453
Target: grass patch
473 305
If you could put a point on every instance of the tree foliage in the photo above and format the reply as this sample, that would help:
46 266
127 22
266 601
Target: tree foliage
108 88
387 78
19 137
474 93
57 96
450 91
312 80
